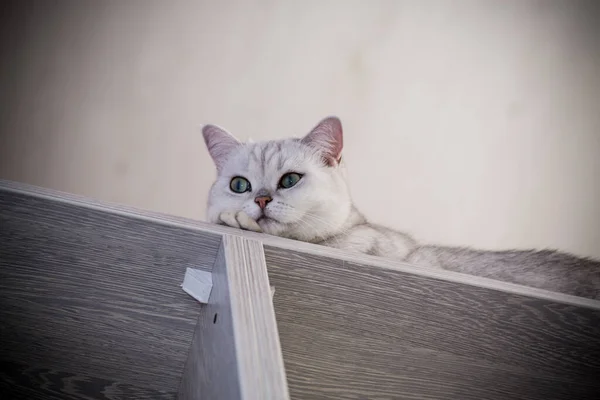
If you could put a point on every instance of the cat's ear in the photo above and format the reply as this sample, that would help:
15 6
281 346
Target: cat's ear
219 143
328 138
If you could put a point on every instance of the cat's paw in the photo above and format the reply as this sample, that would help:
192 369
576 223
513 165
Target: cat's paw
240 220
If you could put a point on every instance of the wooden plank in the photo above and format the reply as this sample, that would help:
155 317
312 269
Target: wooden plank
236 352
443 340
354 331
211 370
20 382
95 293
214 231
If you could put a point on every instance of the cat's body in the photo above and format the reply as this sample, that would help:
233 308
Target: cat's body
296 188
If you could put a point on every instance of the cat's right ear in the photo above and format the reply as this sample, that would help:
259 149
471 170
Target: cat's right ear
219 143
328 138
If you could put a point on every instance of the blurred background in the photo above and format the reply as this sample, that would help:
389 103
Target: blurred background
466 122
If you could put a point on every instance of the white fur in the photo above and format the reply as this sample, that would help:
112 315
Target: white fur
317 207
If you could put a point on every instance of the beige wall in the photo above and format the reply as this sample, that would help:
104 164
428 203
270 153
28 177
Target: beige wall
467 122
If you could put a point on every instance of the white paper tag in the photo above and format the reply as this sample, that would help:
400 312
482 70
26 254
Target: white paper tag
198 284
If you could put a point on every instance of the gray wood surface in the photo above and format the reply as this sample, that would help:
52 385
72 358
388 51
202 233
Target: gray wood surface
212 233
20 382
352 331
352 326
96 294
236 352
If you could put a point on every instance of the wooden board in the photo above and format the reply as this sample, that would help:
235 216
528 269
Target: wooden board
96 294
20 382
352 331
236 353
352 326
211 235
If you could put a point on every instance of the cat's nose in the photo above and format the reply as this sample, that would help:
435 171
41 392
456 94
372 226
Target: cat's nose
262 201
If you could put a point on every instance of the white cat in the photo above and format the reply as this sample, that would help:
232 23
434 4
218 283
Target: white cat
296 188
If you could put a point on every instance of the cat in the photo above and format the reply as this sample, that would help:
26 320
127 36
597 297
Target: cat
296 188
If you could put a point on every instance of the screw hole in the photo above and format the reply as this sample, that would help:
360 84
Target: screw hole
215 319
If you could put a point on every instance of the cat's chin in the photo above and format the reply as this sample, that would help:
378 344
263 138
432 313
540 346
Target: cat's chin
270 225
284 229
276 228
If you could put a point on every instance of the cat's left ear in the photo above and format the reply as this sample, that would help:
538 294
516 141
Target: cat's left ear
219 143
328 138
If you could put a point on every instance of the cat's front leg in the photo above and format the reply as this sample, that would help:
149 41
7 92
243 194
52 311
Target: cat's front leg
239 219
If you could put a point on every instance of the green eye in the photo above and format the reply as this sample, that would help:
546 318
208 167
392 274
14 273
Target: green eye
239 185
289 180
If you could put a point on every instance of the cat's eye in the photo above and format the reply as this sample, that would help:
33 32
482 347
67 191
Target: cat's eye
290 179
240 184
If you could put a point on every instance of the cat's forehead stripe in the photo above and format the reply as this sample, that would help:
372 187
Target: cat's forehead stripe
255 152
266 153
273 149
280 161
263 159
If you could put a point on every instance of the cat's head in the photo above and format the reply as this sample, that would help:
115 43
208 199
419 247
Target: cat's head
293 188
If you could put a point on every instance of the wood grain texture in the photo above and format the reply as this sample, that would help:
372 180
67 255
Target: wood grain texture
262 375
211 369
97 294
236 352
352 326
352 331
213 232
20 382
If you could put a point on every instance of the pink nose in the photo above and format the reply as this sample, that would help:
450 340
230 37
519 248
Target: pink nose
263 201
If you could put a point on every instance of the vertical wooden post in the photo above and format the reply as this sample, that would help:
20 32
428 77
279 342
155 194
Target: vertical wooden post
236 352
